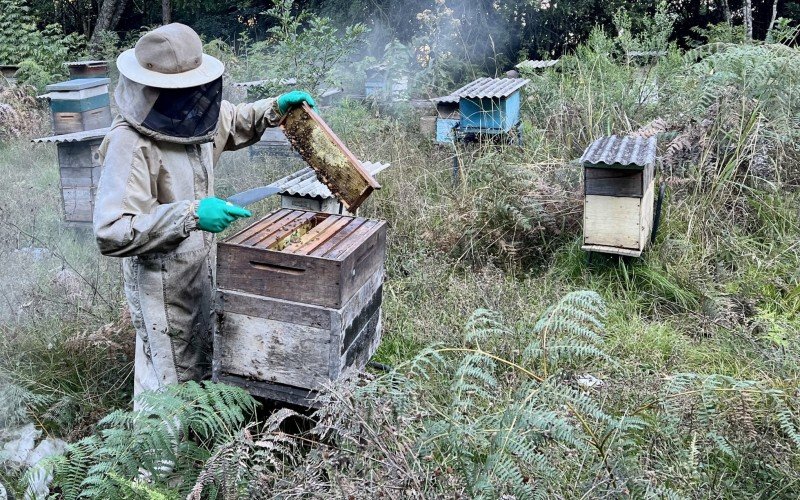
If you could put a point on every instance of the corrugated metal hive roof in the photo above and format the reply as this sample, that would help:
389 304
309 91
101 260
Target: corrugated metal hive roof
86 63
531 64
86 135
620 151
305 183
447 99
491 87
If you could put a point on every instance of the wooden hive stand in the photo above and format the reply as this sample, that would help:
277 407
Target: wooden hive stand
298 302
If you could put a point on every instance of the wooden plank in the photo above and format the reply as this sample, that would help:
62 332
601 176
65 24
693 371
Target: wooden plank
69 106
335 165
79 177
284 231
275 309
274 351
612 250
271 227
364 345
257 227
274 392
319 235
360 263
299 278
612 182
612 221
646 222
353 240
340 236
78 204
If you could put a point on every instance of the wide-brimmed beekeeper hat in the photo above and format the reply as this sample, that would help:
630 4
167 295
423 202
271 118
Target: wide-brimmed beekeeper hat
170 57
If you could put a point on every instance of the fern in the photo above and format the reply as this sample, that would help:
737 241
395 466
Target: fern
172 432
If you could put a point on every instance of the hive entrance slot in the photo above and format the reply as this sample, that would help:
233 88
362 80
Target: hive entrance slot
263 266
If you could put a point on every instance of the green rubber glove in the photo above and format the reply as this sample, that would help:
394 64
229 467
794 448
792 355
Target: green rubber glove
214 215
295 99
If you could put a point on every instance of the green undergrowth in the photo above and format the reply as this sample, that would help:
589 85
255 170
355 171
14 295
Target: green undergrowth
674 375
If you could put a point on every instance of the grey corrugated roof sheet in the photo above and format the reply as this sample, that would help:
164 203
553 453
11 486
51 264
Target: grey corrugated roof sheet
85 63
623 151
86 135
447 99
532 64
305 183
491 87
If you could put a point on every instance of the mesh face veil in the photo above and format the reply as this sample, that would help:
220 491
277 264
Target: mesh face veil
186 113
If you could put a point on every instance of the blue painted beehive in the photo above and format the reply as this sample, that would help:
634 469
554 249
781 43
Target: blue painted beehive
490 105
447 118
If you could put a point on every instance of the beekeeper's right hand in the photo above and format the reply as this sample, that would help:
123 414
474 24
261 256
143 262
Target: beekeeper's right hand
214 214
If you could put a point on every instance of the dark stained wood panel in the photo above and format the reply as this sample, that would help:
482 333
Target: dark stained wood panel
613 182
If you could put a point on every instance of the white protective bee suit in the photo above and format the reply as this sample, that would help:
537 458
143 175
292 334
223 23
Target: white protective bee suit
145 207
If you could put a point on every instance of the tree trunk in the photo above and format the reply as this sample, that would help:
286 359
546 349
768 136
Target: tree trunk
748 19
726 8
774 18
166 11
108 17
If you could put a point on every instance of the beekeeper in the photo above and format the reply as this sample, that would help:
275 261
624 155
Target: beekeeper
155 203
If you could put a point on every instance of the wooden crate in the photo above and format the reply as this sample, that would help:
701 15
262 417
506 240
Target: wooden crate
79 169
69 122
302 256
298 302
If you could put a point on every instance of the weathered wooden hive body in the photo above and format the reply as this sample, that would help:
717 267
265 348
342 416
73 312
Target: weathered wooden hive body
79 172
619 180
87 69
299 302
79 105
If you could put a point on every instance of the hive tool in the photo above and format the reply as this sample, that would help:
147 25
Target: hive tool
253 195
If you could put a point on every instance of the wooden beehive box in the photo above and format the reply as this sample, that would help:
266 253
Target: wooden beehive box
298 304
79 105
619 182
79 169
87 69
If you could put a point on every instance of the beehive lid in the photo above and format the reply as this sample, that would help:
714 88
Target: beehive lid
484 88
533 64
334 164
305 183
88 64
77 84
620 152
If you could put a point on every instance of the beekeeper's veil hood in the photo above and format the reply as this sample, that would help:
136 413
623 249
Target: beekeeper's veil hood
168 89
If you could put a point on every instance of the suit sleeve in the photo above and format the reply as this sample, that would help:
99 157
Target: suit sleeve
128 219
242 125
